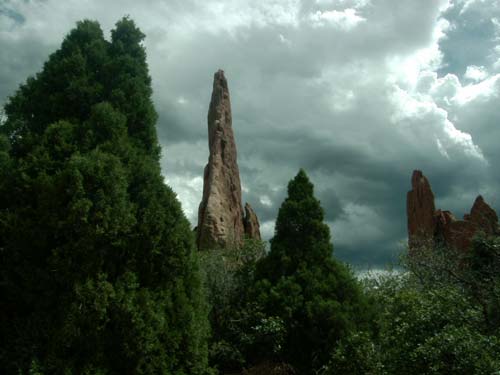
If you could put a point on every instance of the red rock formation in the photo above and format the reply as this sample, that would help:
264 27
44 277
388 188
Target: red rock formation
251 222
443 230
420 211
220 214
429 227
483 216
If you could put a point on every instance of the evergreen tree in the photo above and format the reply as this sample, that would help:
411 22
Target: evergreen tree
97 265
300 282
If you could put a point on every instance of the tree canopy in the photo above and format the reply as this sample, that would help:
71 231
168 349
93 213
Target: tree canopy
97 267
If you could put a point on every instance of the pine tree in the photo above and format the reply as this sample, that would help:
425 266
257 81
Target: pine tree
97 266
300 282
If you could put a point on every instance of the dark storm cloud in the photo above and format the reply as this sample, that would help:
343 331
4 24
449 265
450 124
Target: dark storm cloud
17 64
6 11
331 201
354 91
174 126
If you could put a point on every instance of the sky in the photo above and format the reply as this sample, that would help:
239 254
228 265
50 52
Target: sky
359 93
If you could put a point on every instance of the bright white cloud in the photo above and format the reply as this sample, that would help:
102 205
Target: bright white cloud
407 69
346 19
483 89
189 192
428 121
265 200
475 73
267 229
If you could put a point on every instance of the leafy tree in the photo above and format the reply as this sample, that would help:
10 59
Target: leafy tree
300 282
240 329
431 319
435 331
97 267
475 272
356 354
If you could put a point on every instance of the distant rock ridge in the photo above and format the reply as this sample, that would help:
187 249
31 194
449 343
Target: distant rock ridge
221 221
428 226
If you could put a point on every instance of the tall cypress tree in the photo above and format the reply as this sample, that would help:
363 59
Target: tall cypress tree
300 282
97 267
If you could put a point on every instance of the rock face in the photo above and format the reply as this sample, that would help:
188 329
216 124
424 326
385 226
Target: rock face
221 223
483 216
420 211
428 226
251 223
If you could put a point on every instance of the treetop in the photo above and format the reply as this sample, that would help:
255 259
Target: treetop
300 187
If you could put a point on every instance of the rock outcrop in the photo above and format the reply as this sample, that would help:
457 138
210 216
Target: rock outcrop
420 211
251 223
221 223
483 216
428 226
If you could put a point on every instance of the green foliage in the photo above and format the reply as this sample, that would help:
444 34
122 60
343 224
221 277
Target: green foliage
482 278
475 272
300 282
434 332
356 354
241 332
421 329
97 266
131 85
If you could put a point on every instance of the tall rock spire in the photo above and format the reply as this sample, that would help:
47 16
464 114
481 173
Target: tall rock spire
220 215
420 210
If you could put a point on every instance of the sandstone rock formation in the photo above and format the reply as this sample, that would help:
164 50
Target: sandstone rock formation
483 216
459 233
427 226
221 222
420 210
251 223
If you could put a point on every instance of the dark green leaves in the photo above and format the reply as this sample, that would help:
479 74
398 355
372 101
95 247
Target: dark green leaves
97 267
301 283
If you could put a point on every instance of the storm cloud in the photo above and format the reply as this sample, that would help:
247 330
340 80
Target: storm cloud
357 92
